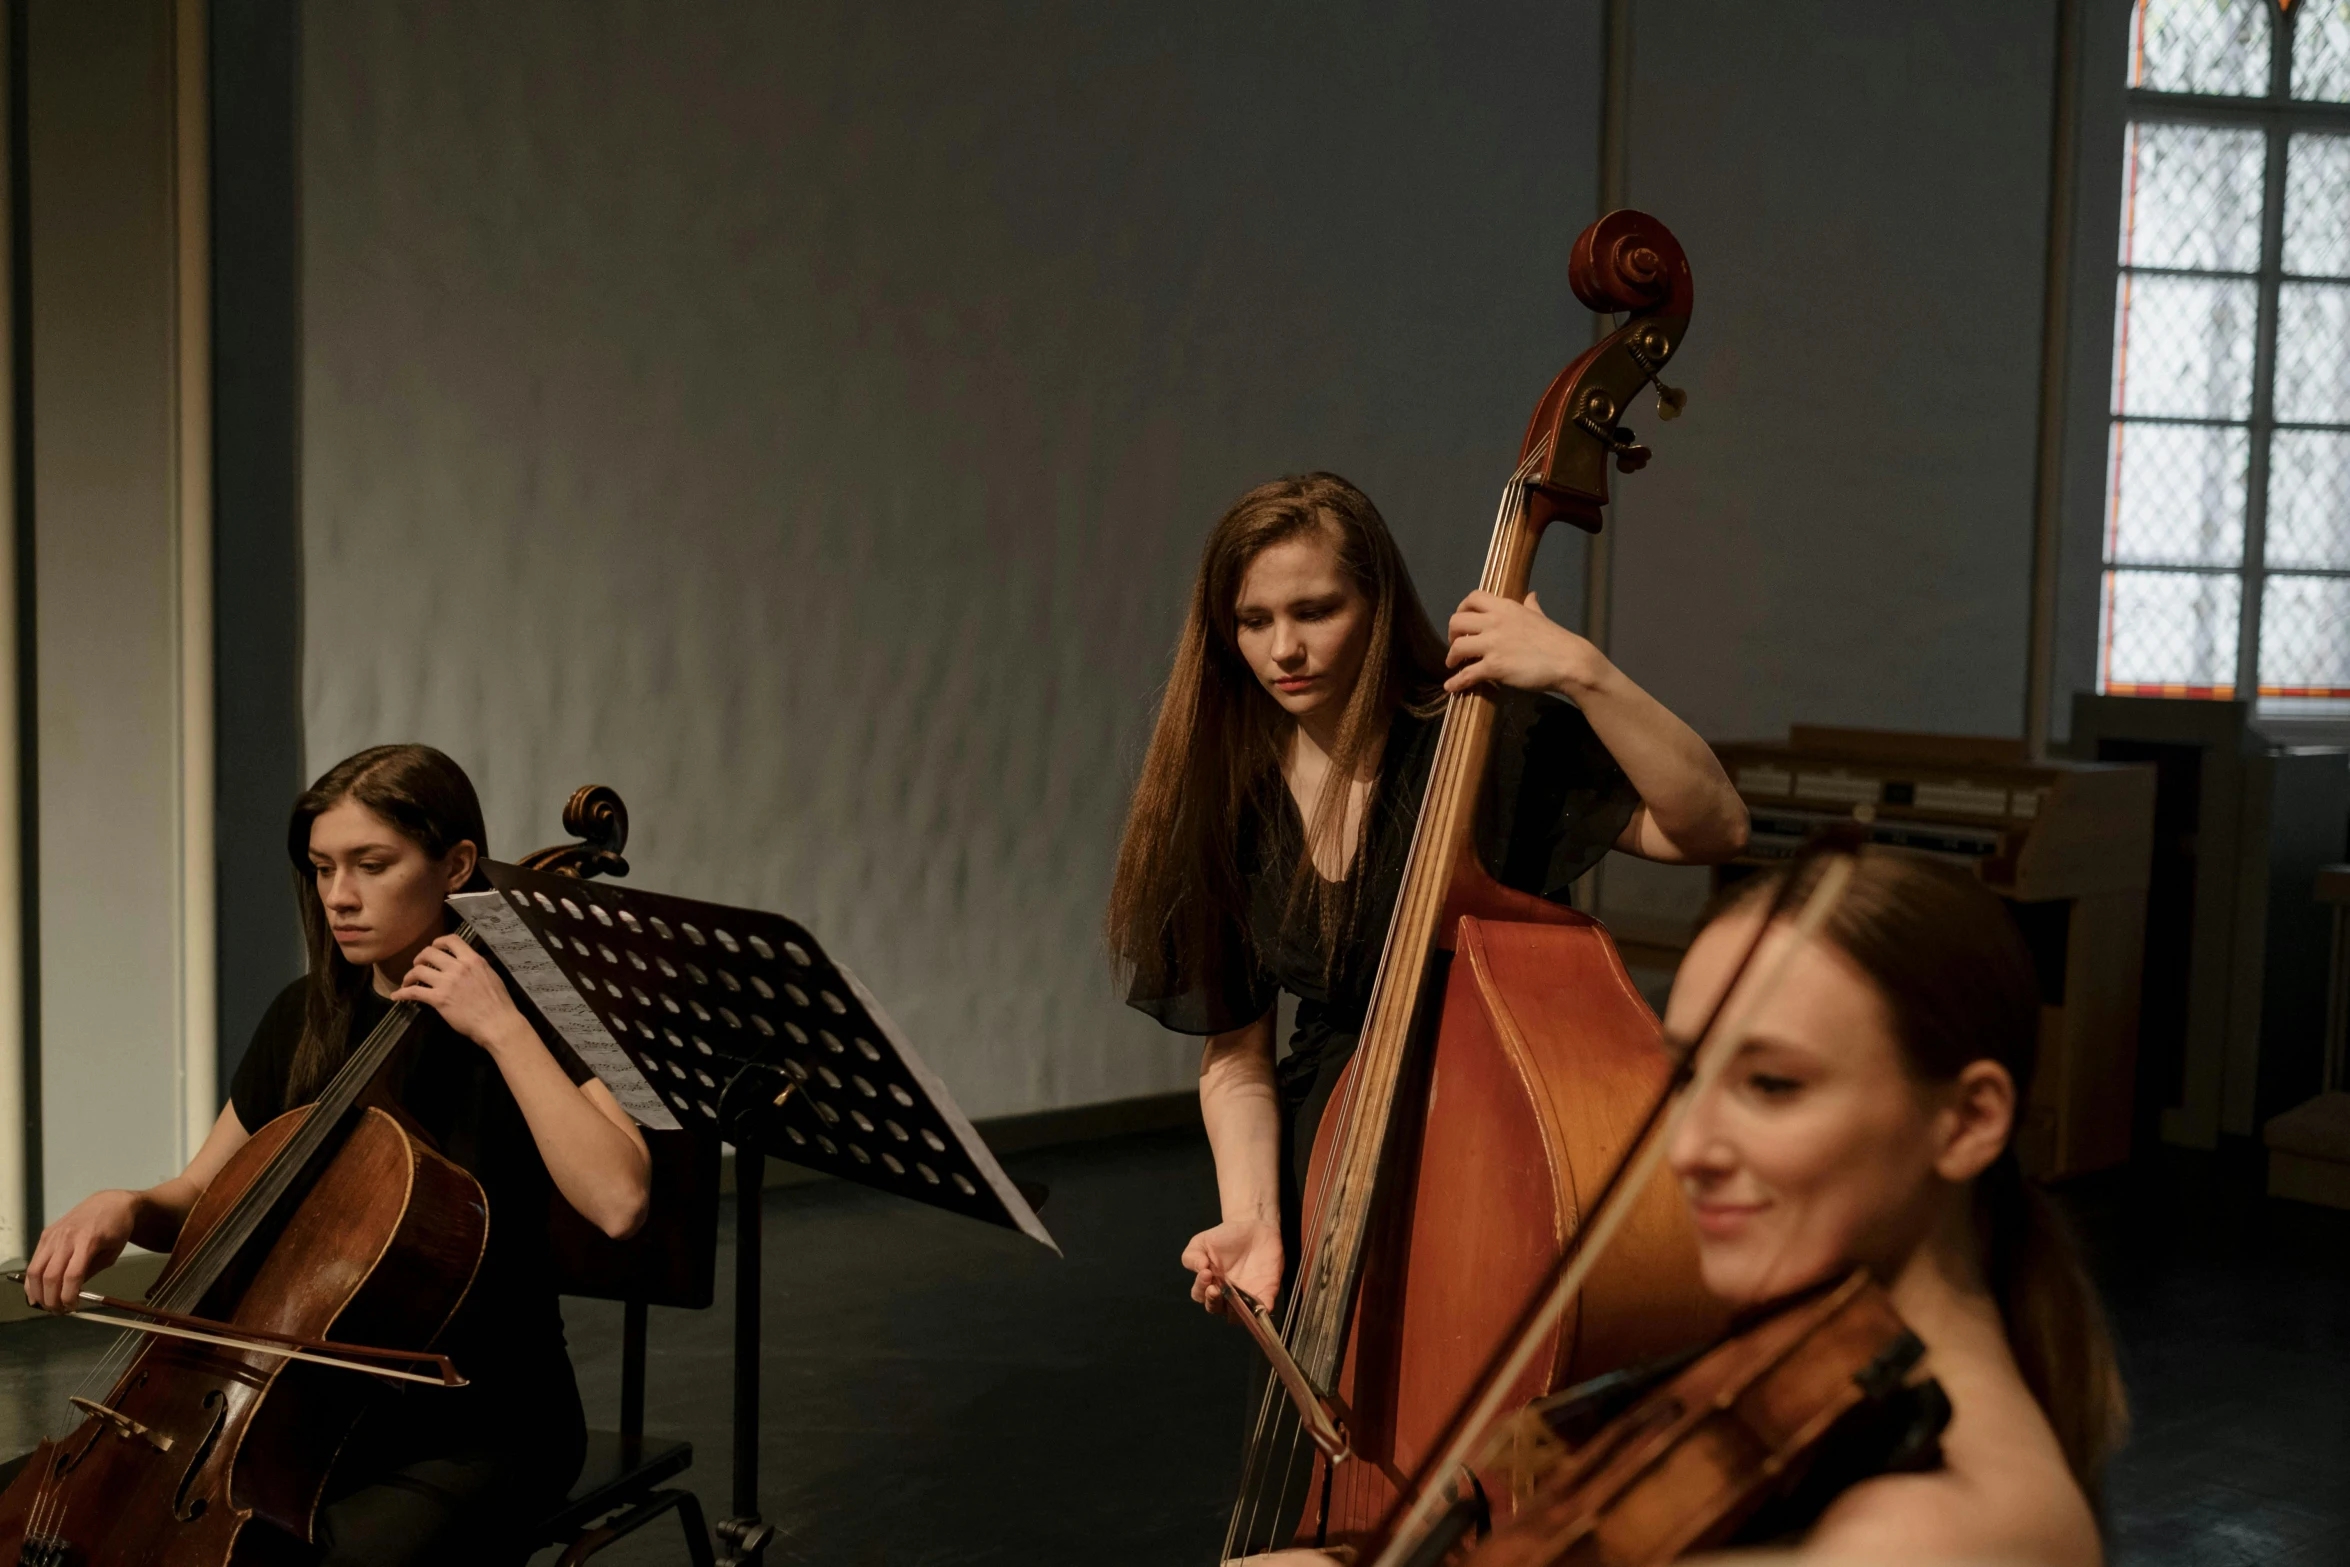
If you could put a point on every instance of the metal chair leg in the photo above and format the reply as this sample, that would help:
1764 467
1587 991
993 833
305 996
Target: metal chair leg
689 1516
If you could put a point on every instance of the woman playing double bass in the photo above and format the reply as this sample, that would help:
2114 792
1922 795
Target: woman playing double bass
1276 807
377 844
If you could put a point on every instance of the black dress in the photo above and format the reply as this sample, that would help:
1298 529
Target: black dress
1554 801
436 1474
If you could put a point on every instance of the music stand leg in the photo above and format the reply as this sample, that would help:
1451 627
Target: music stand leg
744 1535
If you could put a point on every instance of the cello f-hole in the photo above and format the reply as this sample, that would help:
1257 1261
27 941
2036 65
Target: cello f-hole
185 1508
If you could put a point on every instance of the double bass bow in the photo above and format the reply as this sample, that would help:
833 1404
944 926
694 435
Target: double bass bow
1504 1064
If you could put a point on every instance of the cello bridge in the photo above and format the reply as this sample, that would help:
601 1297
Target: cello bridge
124 1426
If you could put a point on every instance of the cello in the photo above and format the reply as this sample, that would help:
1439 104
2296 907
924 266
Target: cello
1505 1063
336 1217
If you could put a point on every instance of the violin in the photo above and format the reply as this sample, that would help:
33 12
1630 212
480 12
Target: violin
1505 1061
1802 1397
1769 1421
232 1401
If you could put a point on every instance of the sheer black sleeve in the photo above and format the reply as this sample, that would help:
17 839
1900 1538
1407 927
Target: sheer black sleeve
1233 994
1556 799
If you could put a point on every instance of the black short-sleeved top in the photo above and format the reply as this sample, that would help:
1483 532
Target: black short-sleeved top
508 1335
1554 801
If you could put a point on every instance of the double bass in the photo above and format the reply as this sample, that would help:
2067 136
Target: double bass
1504 1068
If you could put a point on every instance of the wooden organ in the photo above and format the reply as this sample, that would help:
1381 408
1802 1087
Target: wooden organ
2068 845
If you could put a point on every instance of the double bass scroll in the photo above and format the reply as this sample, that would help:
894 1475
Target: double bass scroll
1626 262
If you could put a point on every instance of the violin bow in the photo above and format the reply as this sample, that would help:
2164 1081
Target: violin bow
1717 1045
261 1341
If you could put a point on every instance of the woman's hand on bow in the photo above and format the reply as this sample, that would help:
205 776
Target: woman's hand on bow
85 1240
1245 1252
1500 641
456 981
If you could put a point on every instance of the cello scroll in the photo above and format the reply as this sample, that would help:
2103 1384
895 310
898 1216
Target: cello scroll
598 817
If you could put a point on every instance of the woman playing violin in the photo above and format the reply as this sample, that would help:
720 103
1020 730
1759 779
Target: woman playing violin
1269 830
377 844
1868 1119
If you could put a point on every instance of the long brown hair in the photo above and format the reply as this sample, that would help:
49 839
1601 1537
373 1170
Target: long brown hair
431 802
1178 895
1959 983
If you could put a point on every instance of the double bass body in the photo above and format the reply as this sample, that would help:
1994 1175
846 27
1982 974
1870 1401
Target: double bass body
194 1441
1543 1063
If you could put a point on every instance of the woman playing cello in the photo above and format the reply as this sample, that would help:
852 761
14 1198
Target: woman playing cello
1277 803
377 844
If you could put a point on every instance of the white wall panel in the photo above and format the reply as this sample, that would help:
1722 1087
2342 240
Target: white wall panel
806 419
125 1039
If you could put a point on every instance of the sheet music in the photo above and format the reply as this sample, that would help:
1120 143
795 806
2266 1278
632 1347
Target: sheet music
560 1002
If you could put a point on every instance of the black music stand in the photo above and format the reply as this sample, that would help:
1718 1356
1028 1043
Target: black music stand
734 1022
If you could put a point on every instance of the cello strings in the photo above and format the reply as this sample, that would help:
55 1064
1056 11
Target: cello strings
244 1216
284 1167
1340 1205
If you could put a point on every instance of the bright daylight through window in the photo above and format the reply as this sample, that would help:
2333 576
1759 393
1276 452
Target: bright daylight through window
2227 519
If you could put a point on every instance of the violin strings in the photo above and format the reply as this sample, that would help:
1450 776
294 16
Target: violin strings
1339 1208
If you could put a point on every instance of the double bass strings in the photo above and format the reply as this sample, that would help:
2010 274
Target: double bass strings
1341 1205
1343 1198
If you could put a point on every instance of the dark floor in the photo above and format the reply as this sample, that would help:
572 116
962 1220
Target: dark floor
2233 1313
940 1393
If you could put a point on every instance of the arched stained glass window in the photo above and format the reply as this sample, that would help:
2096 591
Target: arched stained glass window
2227 537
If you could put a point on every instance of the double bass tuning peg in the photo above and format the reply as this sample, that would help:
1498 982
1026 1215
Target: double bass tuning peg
1649 351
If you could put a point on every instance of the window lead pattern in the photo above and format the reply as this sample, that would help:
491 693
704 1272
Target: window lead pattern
2321 51
2227 526
2201 46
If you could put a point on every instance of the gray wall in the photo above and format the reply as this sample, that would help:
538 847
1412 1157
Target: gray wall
806 418
1839 529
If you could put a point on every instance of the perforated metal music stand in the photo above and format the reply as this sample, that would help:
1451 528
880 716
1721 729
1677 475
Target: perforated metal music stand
735 1022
